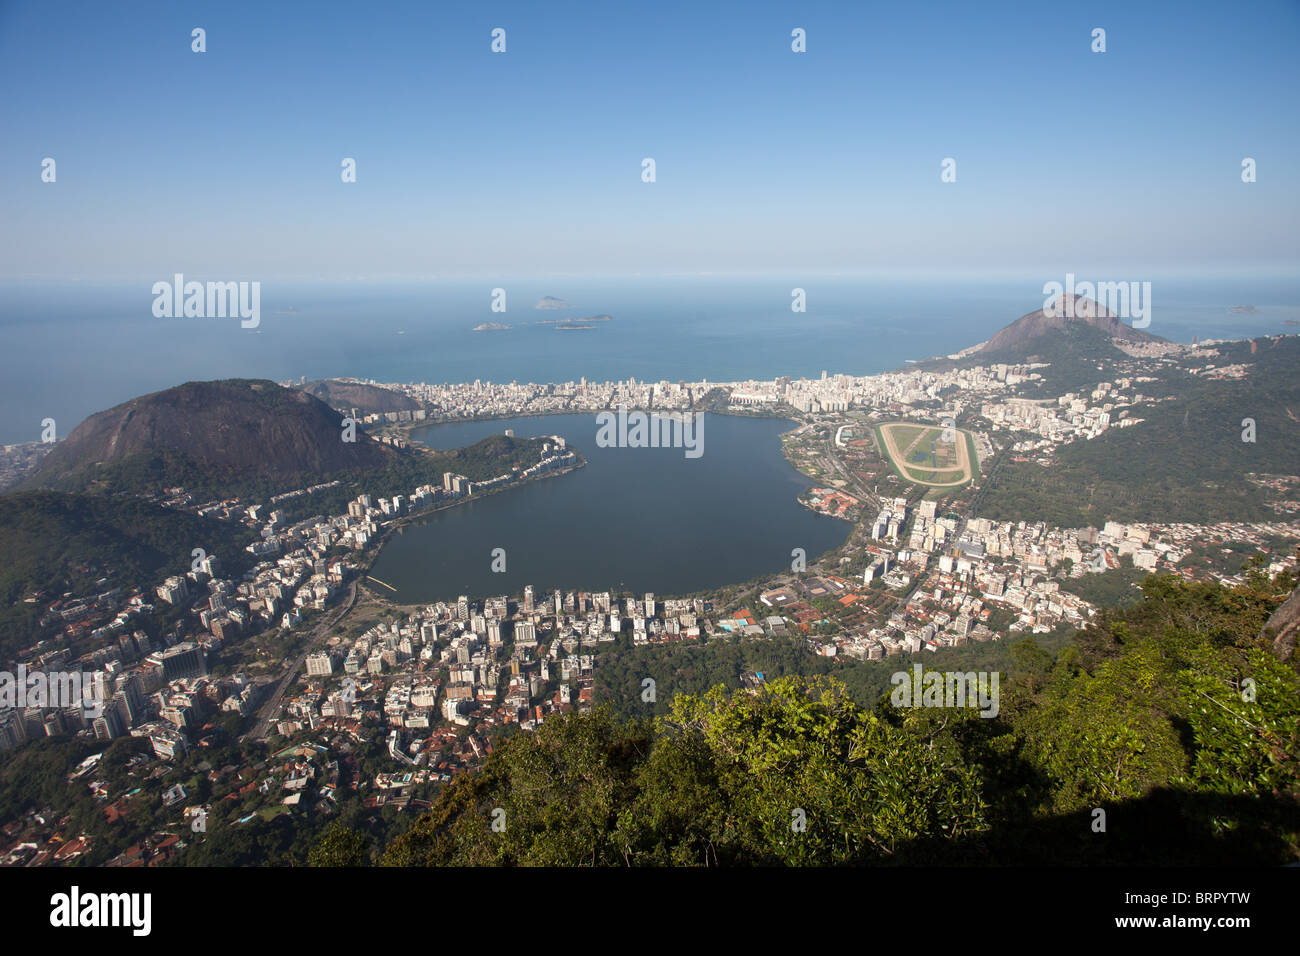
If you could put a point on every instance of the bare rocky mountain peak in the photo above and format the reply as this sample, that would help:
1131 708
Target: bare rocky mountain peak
1066 310
1068 304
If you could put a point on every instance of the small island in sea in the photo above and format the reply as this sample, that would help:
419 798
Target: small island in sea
491 327
1247 309
576 323
551 302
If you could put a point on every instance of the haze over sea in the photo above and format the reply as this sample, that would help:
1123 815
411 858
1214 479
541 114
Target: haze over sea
74 348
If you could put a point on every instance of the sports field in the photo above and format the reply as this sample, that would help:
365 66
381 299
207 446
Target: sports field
920 455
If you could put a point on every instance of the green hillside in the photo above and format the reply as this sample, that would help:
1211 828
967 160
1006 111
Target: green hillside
54 542
1186 462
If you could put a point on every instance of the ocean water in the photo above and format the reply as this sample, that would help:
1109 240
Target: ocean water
73 348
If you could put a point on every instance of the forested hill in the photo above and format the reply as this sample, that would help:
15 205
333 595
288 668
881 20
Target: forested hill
208 435
1188 459
250 440
55 542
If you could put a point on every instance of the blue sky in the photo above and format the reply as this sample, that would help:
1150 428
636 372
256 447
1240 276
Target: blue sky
226 164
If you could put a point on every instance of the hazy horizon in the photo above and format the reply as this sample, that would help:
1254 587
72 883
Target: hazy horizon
76 348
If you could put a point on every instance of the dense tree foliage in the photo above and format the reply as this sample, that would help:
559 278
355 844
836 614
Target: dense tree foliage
696 668
1117 587
799 774
1168 733
340 845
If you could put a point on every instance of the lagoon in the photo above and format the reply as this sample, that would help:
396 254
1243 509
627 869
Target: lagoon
638 519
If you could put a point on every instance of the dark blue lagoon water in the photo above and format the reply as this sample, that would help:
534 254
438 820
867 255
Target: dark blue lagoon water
645 519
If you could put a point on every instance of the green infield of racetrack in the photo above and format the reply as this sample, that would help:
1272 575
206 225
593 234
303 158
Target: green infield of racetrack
904 433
